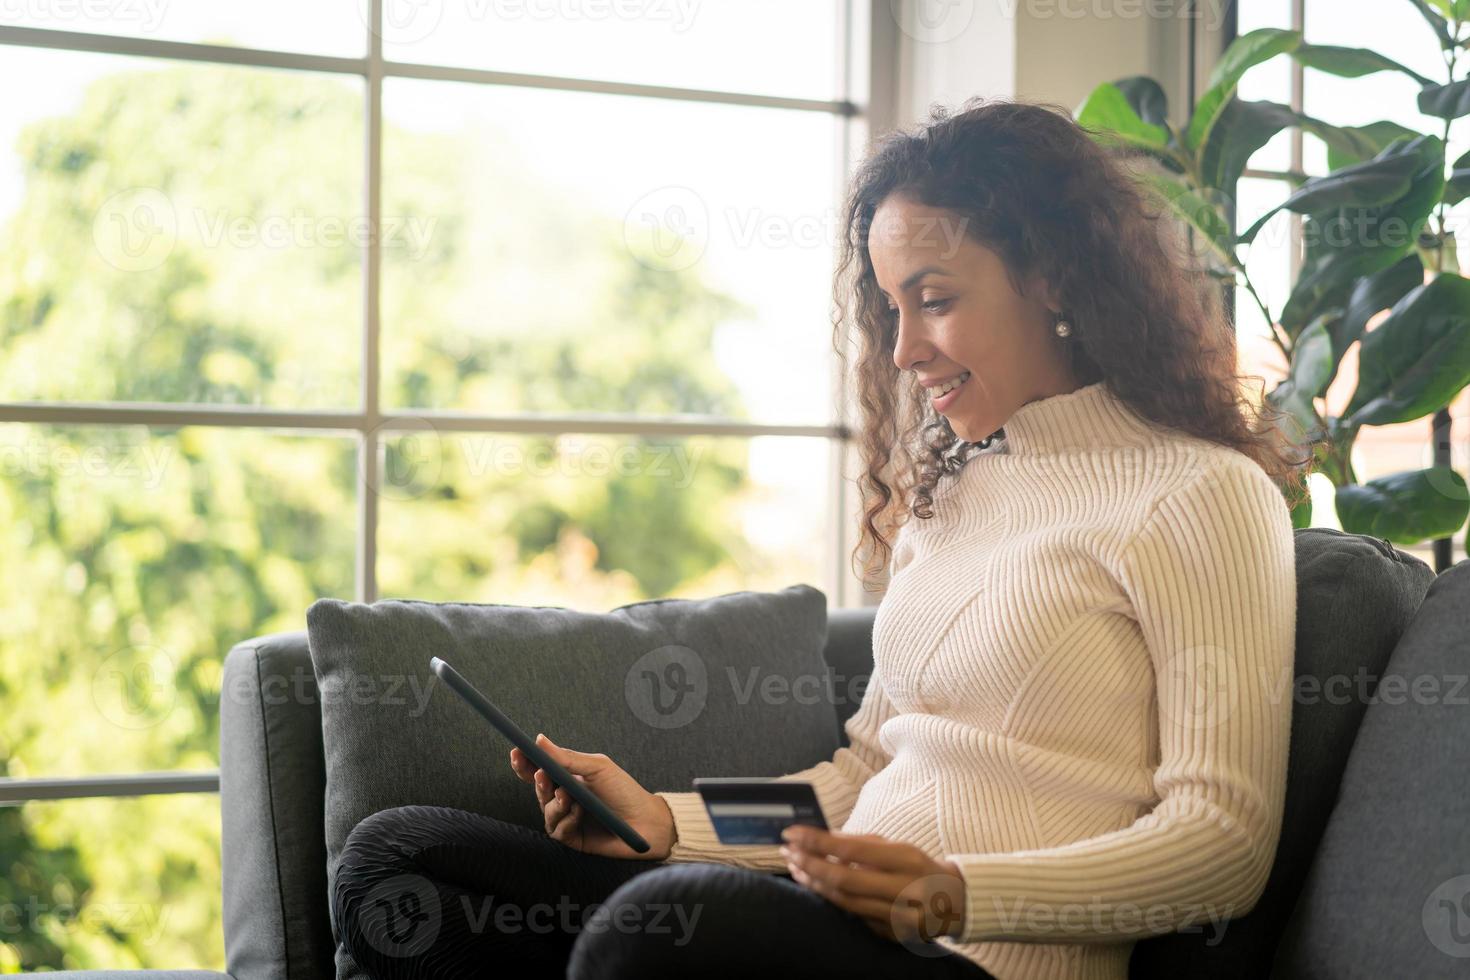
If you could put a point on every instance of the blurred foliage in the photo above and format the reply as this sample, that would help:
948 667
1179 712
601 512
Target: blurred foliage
135 557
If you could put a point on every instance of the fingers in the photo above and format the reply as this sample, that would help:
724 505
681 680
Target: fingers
868 849
523 767
579 763
568 821
553 809
838 877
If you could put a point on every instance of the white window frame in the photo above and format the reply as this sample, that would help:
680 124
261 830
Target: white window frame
866 53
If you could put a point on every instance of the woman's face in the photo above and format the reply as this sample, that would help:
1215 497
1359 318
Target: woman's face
958 315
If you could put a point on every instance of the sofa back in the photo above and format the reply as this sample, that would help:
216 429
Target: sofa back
1388 894
1355 596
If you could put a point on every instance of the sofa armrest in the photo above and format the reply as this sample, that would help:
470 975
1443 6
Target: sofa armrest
272 791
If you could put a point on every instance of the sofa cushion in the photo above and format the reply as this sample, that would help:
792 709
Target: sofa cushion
1389 890
1355 596
670 688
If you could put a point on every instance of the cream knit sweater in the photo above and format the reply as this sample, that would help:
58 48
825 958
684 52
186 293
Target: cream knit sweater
1080 692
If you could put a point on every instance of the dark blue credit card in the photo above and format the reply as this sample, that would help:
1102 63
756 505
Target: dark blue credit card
755 810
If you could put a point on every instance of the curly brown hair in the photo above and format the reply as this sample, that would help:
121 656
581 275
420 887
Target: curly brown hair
1049 198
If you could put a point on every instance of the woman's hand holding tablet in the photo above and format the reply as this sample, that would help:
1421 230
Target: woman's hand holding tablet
568 822
589 803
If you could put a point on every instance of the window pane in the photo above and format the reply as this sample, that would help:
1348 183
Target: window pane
178 233
134 561
769 47
1396 31
112 884
1270 81
607 254
1268 263
333 28
594 522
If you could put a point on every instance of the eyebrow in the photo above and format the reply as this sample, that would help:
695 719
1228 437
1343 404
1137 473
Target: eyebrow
908 283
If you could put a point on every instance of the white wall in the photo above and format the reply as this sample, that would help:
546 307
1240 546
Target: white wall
1050 50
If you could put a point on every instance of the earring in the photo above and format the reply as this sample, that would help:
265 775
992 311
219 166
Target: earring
1064 329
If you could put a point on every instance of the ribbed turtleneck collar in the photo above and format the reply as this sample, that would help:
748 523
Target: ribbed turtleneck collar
1091 417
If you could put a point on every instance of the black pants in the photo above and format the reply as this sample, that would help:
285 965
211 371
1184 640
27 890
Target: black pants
435 892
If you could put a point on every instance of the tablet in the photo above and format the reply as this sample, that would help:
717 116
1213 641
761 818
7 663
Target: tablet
577 789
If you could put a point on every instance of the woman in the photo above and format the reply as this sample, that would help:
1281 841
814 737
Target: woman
1074 734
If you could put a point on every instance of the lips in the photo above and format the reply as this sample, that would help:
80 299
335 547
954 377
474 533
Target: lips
947 398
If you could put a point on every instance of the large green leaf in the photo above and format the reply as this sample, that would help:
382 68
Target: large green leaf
1347 145
1368 184
1348 243
1405 508
1446 101
1453 9
1370 296
1418 358
1147 98
1351 62
1108 112
1243 128
1312 363
1199 213
1457 187
1244 53
1437 22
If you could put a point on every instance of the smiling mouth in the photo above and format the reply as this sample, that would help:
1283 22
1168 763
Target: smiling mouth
939 391
942 396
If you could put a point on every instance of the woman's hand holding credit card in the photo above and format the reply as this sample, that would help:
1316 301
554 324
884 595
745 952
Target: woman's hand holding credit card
753 810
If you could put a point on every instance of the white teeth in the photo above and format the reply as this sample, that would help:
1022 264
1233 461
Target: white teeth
949 386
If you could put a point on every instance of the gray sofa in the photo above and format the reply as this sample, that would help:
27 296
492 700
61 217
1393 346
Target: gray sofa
1372 876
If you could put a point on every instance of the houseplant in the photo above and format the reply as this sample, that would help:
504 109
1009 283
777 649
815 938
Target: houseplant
1375 238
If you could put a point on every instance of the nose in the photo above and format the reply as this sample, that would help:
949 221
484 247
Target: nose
910 345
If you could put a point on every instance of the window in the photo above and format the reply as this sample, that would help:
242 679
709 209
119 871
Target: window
1396 31
386 300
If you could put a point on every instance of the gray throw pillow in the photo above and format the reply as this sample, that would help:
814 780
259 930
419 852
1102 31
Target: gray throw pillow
669 688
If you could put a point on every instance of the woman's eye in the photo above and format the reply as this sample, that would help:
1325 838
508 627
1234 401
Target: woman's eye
936 305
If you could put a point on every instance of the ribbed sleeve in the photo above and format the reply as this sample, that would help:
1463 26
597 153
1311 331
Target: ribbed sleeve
836 782
1211 576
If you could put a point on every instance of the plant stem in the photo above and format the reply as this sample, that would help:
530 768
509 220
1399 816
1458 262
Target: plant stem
1270 322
